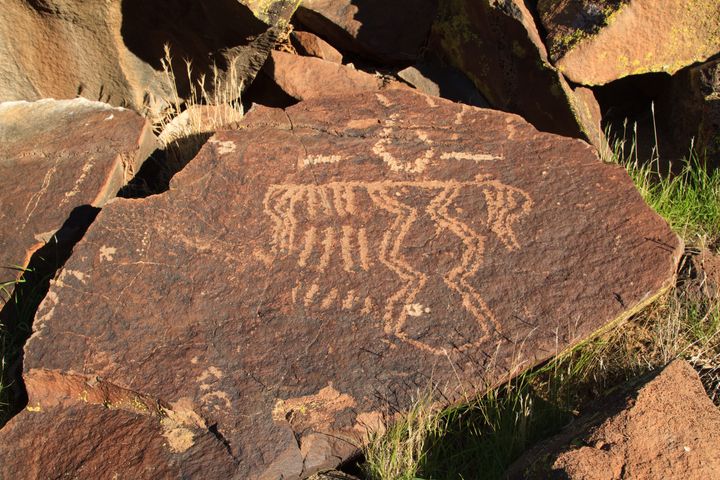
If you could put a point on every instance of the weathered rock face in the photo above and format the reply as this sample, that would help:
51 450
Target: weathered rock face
376 29
56 156
112 51
312 271
594 42
670 430
91 441
309 44
498 46
304 78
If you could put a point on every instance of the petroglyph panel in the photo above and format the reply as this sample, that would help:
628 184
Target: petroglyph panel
347 254
317 227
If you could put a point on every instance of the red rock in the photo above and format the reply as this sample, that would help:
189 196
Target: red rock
594 42
56 156
306 274
379 30
668 429
498 46
112 50
93 442
311 45
305 77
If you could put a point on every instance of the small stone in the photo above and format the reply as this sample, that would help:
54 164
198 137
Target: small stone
307 77
311 45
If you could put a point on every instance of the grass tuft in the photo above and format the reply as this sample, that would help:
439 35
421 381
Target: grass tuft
186 116
399 452
687 196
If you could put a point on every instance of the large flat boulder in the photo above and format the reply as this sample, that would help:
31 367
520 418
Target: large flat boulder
594 42
306 275
498 46
56 156
112 50
375 29
667 428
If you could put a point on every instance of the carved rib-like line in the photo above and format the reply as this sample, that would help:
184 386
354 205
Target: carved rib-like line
346 247
310 237
364 249
328 244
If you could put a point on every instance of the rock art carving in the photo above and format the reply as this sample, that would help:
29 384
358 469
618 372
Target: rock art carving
312 224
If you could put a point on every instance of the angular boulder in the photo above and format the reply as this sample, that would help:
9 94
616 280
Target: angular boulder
594 42
306 275
667 429
433 78
311 45
304 78
56 156
379 30
498 46
112 51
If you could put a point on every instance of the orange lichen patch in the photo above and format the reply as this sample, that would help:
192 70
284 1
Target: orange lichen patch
313 411
179 425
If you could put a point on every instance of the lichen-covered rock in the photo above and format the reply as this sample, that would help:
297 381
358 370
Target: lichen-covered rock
498 46
594 42
112 50
307 274
56 156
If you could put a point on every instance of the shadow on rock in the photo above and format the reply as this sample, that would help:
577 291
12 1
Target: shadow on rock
201 33
154 176
18 313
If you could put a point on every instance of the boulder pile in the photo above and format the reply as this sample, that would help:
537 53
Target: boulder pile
414 198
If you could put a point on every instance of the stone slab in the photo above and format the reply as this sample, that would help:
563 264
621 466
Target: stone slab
309 44
94 442
309 274
304 78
